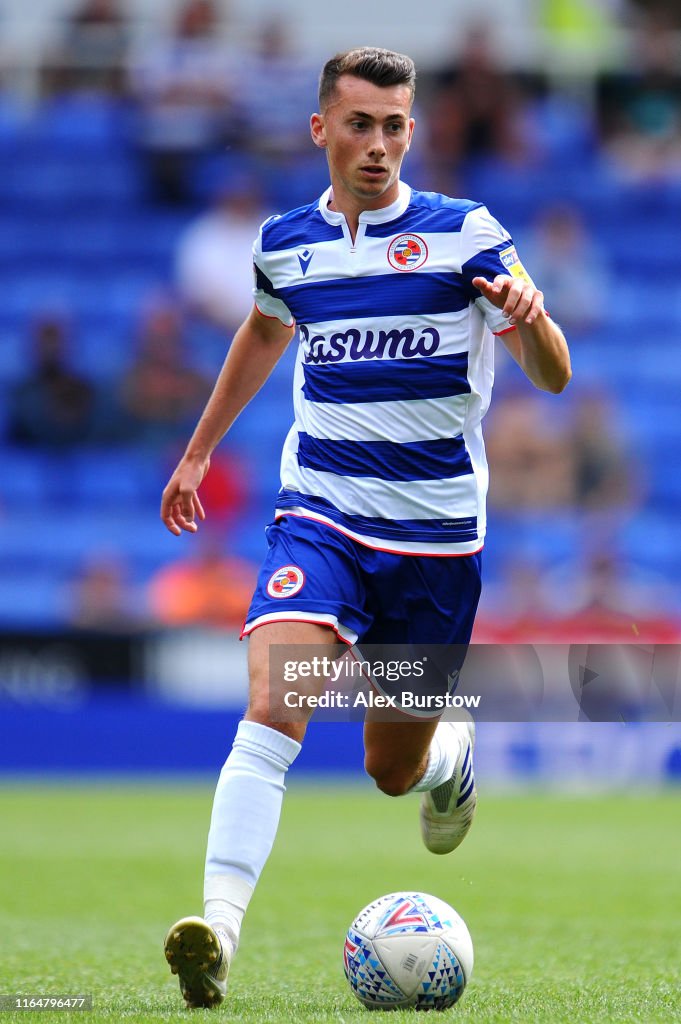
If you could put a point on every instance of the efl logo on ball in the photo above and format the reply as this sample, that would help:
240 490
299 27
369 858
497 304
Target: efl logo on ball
407 252
286 582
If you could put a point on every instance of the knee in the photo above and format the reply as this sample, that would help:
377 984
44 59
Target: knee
266 709
391 779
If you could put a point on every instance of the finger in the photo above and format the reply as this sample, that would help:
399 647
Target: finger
170 524
167 517
502 283
513 298
529 306
184 522
522 307
198 508
490 289
187 503
536 308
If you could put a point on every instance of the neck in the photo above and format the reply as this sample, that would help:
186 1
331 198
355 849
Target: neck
352 206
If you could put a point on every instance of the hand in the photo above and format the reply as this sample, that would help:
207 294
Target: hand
516 297
180 505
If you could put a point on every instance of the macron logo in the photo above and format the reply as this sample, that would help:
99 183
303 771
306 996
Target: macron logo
304 258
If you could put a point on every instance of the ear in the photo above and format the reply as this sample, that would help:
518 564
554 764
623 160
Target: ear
412 122
318 130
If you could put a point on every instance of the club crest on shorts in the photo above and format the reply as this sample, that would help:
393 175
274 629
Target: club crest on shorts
407 252
286 582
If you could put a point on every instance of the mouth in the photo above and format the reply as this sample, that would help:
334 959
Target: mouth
374 171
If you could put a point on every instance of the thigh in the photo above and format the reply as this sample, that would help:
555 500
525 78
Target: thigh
266 681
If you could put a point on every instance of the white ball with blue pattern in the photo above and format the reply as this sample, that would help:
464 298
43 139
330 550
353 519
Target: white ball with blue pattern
408 949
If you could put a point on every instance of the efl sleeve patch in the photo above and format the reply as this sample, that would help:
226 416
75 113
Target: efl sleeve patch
511 261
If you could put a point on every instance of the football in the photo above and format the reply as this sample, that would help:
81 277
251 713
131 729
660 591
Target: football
408 949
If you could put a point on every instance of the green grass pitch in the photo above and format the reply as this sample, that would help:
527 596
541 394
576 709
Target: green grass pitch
573 902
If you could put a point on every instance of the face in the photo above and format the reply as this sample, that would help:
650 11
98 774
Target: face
366 130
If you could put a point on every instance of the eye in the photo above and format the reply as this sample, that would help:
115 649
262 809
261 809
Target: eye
359 125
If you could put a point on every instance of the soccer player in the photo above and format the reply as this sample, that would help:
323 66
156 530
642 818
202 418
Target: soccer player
379 523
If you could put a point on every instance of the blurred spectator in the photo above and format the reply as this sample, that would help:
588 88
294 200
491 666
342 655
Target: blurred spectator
103 598
162 395
574 270
575 460
669 10
597 598
519 607
92 51
641 108
185 85
214 263
278 89
530 450
606 600
53 406
209 588
475 109
607 473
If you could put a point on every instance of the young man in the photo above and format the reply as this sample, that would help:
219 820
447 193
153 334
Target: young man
380 518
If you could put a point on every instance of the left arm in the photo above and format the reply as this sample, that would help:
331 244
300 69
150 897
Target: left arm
538 344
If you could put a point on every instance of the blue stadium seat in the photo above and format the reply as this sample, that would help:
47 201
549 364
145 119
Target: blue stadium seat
24 481
79 237
24 294
31 598
12 120
65 535
73 182
640 244
149 234
652 538
15 354
664 487
17 240
125 476
79 121
117 294
105 352
548 537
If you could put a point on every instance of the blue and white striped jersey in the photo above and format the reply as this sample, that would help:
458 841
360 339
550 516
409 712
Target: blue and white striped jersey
394 367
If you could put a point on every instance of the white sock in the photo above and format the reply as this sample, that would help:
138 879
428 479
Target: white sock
244 822
442 755
225 900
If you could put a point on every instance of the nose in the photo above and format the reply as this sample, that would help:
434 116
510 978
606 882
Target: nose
377 145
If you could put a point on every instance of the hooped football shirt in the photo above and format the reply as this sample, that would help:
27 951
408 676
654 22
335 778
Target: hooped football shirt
394 366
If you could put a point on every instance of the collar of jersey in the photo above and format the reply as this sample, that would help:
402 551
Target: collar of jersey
382 216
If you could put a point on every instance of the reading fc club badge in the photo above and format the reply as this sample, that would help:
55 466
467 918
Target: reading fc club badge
285 582
407 252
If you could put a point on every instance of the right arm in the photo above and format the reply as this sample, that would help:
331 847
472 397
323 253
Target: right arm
258 344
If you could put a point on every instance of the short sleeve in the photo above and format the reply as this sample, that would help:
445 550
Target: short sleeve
265 295
488 250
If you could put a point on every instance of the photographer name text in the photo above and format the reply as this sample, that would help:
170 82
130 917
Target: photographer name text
406 699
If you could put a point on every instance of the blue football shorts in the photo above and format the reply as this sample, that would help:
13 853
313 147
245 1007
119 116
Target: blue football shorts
314 573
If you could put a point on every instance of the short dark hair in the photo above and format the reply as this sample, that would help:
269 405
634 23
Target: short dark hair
381 67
